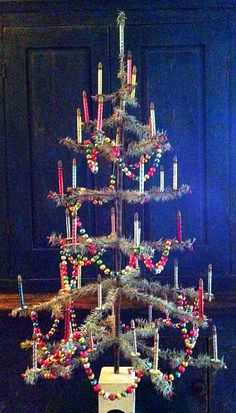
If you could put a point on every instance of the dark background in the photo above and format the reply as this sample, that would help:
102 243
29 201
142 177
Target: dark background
186 62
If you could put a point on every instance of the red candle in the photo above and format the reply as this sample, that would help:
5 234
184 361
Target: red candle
129 68
60 178
85 105
201 299
100 113
179 227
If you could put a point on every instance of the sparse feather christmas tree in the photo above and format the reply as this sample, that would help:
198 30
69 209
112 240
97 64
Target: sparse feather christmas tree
119 139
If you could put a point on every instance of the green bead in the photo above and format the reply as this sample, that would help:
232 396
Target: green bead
124 394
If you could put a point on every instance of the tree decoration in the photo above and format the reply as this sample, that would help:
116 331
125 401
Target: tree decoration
178 308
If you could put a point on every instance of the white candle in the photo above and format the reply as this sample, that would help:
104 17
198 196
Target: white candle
35 353
132 323
79 273
68 226
70 328
79 127
175 173
162 179
99 78
99 280
74 173
136 228
121 39
150 314
91 342
141 175
139 233
153 119
176 274
209 282
156 347
215 346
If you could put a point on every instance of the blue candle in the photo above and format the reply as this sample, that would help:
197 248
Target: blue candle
20 289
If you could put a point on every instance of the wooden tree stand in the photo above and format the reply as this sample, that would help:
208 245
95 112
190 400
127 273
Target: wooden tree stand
115 383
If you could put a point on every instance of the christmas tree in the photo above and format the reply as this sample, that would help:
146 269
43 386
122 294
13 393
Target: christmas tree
133 150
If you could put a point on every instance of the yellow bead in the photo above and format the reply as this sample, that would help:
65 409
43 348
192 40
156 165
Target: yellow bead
84 359
82 340
118 396
185 363
107 271
91 377
102 267
171 376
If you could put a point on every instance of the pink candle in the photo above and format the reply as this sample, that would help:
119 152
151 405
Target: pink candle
85 105
61 277
100 113
113 221
74 229
179 227
60 178
201 298
129 68
67 323
74 173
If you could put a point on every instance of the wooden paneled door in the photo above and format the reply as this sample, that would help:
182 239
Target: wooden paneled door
47 70
183 68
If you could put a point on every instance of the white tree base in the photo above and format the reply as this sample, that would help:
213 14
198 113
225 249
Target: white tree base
116 383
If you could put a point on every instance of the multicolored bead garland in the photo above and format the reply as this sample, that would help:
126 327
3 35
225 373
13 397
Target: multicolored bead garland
159 266
127 169
84 358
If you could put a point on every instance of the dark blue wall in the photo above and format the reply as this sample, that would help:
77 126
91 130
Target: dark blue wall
186 61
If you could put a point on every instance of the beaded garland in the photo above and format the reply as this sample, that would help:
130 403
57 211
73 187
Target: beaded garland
159 266
127 170
84 358
92 149
63 355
